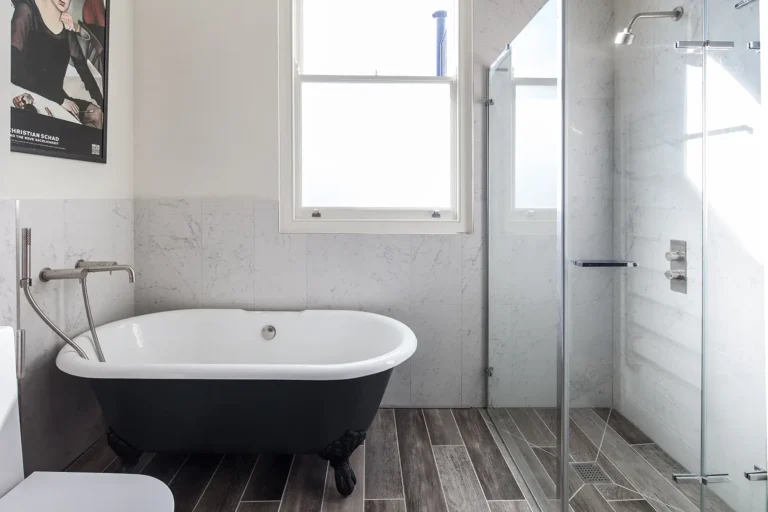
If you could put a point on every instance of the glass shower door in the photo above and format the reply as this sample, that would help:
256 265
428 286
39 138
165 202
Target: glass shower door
734 380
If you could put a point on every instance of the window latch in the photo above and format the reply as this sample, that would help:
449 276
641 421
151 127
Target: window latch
436 214
316 214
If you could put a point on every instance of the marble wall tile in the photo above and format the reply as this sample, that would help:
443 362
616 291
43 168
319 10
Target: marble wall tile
436 375
281 263
59 414
8 279
169 256
356 270
436 264
474 355
228 256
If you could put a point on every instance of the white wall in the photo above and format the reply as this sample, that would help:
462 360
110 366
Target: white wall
206 99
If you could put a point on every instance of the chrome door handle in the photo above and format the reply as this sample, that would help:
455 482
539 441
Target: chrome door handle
675 275
754 45
758 475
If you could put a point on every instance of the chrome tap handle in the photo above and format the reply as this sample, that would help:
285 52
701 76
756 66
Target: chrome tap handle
92 264
675 256
675 275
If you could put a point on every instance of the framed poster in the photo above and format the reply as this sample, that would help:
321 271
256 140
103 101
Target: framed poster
59 64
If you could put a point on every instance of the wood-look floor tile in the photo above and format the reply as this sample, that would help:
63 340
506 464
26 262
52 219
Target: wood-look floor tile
383 477
634 467
95 459
462 489
551 418
267 482
613 472
193 477
228 484
335 502
495 477
385 506
442 427
117 465
589 500
306 484
632 506
512 437
533 428
259 506
164 466
582 449
423 491
613 492
509 506
623 426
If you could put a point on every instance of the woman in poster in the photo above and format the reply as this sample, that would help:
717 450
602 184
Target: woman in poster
43 40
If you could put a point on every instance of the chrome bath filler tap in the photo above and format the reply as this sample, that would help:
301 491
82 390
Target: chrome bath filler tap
80 272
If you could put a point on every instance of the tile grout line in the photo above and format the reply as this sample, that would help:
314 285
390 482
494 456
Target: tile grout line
602 439
248 482
472 464
667 481
399 460
285 487
178 470
434 458
536 412
209 483
145 464
521 437
529 445
107 466
325 485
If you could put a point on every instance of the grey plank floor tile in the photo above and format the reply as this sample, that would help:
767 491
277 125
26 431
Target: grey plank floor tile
509 506
267 482
582 449
635 468
383 477
551 418
306 484
589 500
259 506
613 492
423 491
589 423
164 466
623 426
228 484
512 437
95 459
117 465
335 502
385 506
533 428
613 472
550 462
632 506
667 466
494 474
442 427
460 484
193 477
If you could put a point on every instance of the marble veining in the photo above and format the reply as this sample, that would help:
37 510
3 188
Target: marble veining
8 279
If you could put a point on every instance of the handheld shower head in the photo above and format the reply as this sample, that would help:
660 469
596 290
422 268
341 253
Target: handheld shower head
626 36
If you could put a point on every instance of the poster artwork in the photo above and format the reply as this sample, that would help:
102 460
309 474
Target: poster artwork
59 60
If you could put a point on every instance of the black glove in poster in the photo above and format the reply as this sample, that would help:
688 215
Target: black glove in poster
59 51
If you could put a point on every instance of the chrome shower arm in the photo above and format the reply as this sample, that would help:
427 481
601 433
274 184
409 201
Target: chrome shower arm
676 14
744 3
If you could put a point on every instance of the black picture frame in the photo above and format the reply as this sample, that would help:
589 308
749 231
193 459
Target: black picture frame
22 120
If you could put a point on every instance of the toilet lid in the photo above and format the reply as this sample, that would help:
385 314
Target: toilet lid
88 492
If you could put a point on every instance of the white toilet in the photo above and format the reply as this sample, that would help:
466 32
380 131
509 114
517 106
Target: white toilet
61 492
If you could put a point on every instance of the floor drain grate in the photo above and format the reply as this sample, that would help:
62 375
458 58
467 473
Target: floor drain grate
590 472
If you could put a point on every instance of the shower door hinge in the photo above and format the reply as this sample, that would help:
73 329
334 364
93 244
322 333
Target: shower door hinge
715 478
489 371
489 102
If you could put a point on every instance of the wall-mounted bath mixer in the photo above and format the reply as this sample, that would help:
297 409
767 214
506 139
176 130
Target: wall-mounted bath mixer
80 272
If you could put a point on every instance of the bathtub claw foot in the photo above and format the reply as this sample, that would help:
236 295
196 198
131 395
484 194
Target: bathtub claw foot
129 456
338 453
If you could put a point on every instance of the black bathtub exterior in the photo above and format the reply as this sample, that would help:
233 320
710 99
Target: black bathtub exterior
238 416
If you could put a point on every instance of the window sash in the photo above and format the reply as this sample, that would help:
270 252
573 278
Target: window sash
295 218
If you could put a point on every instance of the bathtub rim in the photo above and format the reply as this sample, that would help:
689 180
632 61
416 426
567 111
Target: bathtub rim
68 361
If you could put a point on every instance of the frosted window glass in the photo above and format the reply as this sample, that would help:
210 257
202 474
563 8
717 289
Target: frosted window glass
376 145
534 51
362 37
536 143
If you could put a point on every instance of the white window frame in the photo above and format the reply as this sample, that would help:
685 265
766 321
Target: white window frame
297 219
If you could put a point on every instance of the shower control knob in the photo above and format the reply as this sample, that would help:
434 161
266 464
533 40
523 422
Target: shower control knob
675 275
675 256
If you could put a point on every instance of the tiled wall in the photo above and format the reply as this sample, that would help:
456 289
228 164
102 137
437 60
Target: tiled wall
8 280
59 415
193 253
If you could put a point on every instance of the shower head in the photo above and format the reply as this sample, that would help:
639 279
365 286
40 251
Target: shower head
626 36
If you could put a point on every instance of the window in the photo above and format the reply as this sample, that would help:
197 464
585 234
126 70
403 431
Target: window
535 125
376 116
